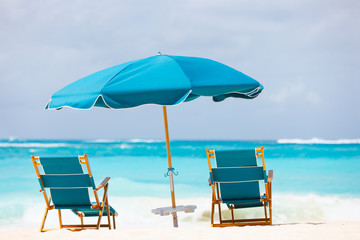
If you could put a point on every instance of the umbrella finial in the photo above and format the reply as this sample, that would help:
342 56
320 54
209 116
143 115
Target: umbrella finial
159 53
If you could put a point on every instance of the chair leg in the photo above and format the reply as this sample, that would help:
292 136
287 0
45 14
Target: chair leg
265 211
220 219
232 213
102 206
212 213
108 212
114 221
270 211
82 220
270 204
60 220
100 215
43 220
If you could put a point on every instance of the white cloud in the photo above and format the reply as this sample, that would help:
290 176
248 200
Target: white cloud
295 92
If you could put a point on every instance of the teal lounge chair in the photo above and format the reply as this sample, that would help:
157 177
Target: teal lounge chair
235 181
65 185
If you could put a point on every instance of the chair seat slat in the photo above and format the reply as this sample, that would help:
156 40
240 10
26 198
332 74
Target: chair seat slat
238 174
66 180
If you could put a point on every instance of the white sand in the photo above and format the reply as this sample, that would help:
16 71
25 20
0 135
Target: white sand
311 230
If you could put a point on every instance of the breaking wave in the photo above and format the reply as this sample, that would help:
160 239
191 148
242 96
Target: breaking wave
137 140
32 145
317 141
134 140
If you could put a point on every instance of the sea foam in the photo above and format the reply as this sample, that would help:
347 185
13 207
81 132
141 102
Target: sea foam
318 141
136 211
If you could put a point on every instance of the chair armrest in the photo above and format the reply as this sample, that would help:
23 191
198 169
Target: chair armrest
103 183
270 175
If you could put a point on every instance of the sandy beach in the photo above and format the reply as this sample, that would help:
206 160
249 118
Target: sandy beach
308 230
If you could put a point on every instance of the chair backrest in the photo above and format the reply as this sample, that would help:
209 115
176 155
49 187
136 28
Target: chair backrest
65 178
235 158
238 174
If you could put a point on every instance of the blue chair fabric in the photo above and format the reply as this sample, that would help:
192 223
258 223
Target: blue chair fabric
235 181
69 187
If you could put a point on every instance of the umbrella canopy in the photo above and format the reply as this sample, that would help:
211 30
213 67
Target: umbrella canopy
163 80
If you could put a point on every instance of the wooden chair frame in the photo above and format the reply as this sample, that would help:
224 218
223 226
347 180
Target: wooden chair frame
216 200
98 205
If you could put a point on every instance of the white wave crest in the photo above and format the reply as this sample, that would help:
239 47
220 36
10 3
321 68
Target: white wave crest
138 140
318 141
100 140
125 146
32 145
134 140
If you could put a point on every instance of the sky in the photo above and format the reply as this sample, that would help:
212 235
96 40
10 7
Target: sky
305 53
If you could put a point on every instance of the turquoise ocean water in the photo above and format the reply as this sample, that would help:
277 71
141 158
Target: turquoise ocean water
314 180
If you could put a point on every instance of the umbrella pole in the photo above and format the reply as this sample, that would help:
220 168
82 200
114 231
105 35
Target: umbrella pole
175 221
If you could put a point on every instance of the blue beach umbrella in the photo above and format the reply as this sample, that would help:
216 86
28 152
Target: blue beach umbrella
162 79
